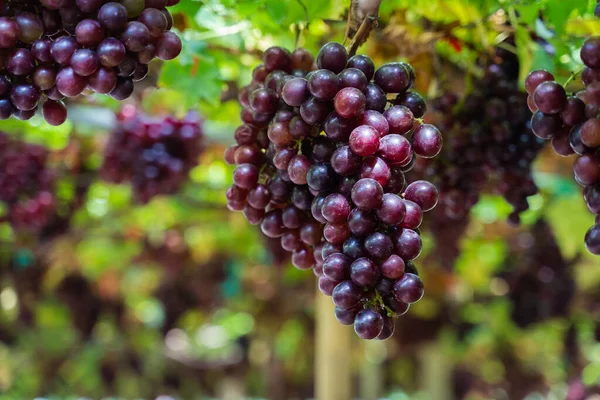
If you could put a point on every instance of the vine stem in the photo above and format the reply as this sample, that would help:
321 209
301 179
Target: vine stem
366 13
573 75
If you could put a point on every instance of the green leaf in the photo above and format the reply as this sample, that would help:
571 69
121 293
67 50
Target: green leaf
558 12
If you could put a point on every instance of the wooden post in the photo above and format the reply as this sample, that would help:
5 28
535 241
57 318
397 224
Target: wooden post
371 372
333 372
436 375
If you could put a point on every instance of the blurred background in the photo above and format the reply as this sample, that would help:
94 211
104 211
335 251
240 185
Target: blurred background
183 299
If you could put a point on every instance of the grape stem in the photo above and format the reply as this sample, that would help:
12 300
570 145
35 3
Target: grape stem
365 13
573 75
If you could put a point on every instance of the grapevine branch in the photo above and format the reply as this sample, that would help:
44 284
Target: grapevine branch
362 18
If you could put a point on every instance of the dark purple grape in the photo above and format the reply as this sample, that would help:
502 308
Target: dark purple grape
408 244
25 97
272 224
9 33
550 97
423 193
379 245
408 289
427 141
400 119
323 84
368 324
332 56
376 99
326 285
590 133
346 317
336 209
535 78
349 102
586 169
113 16
314 112
337 267
63 48
353 77
20 62
31 27
396 149
590 52
84 62
367 194
413 101
346 295
393 78
592 240
169 46
376 120
392 210
364 140
364 272
55 112
363 63
393 267
336 233
123 90
89 33
295 92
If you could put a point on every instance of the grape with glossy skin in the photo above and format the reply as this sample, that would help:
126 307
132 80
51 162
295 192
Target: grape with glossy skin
427 141
368 324
408 289
364 140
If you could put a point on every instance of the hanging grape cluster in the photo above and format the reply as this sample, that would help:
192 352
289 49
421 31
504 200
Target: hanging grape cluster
489 140
26 184
572 124
541 282
54 49
320 163
154 154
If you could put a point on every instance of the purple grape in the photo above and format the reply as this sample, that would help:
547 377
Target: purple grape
408 289
346 295
427 141
368 324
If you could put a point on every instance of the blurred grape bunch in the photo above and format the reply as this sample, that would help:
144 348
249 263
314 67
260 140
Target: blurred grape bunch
541 282
52 50
27 184
154 154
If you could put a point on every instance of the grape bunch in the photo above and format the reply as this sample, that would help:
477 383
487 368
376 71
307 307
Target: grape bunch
541 281
320 163
54 49
571 123
27 184
155 154
489 139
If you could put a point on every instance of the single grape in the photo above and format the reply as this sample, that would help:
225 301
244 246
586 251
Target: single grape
427 141
368 324
364 140
364 272
408 289
550 97
423 193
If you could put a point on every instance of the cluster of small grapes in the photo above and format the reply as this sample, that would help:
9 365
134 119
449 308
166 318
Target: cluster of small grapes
540 280
572 123
155 154
26 184
320 164
58 48
489 138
